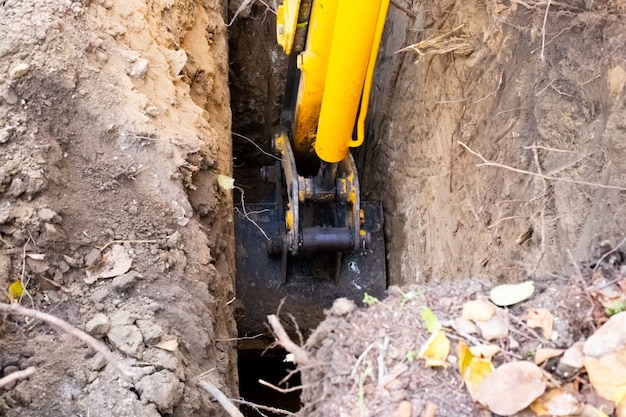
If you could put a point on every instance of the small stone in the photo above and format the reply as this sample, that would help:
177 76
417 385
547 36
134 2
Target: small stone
97 362
92 257
140 68
19 70
173 239
98 326
17 188
74 263
152 111
163 389
128 339
151 332
125 280
6 134
48 216
64 267
122 317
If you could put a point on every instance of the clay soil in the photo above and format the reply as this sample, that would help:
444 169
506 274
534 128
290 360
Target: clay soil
115 122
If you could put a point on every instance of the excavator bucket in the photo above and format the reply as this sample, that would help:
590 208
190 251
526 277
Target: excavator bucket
302 285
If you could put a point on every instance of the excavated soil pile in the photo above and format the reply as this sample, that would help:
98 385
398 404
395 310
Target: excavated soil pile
114 124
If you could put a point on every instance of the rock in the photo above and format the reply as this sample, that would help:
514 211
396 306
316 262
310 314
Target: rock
128 339
17 188
92 257
151 332
609 338
140 68
125 280
48 216
122 317
6 134
52 234
19 70
152 111
97 362
164 359
6 213
163 389
98 326
5 266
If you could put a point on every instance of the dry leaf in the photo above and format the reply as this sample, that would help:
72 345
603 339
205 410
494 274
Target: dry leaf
479 310
543 354
436 349
115 262
605 356
557 402
36 265
403 410
169 345
473 369
484 351
36 256
542 318
509 294
225 182
494 328
511 387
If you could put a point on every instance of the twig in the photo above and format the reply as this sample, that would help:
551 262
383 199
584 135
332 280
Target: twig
263 407
14 376
228 406
256 145
279 389
126 241
543 30
68 328
300 356
487 162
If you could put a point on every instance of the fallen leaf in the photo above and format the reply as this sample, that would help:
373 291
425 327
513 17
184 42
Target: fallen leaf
543 354
511 387
484 351
494 328
115 262
436 349
16 289
605 357
557 402
169 345
478 310
225 182
431 320
403 410
36 265
574 356
36 256
473 369
541 318
509 294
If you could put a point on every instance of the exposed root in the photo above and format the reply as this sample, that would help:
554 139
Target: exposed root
258 407
69 329
219 396
15 376
300 356
442 44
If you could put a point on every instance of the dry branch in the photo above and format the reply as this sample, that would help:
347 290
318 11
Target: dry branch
263 407
219 396
14 376
300 356
489 163
69 329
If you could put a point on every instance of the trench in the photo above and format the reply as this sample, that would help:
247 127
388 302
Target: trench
258 68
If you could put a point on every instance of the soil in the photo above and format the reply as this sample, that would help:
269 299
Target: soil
115 122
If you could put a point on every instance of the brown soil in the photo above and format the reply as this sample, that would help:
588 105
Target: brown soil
115 122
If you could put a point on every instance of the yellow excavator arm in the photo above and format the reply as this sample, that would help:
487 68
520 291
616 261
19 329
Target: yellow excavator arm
336 67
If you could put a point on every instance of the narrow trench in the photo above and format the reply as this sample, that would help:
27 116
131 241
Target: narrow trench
257 79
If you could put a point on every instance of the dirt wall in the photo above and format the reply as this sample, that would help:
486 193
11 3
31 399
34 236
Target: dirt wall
114 124
550 106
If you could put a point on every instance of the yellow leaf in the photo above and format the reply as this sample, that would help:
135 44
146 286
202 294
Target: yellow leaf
620 394
16 289
473 369
225 182
436 349
543 354
557 402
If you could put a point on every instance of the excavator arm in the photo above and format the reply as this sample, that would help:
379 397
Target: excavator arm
316 241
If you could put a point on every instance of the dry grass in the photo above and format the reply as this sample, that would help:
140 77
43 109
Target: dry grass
442 44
